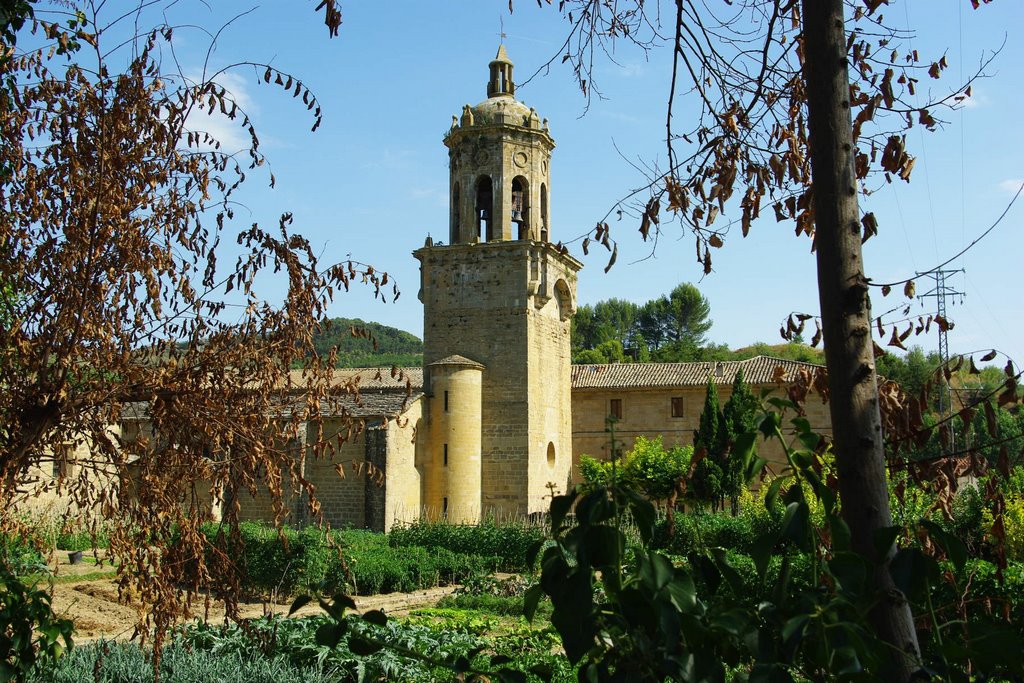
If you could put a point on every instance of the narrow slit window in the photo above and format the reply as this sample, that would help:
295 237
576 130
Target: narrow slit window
446 455
446 401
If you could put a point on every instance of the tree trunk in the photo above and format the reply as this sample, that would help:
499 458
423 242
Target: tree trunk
846 317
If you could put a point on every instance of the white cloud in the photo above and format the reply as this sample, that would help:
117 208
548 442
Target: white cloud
392 159
434 195
973 101
1011 185
619 116
633 69
228 132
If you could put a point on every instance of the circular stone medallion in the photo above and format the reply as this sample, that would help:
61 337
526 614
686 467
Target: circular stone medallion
520 159
482 157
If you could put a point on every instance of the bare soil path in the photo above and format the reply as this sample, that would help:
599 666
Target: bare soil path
93 604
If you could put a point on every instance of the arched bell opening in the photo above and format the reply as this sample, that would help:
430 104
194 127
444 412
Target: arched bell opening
454 236
521 207
484 208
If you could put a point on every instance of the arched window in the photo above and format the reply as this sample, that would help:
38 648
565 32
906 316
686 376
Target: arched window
484 208
521 206
543 212
563 301
456 209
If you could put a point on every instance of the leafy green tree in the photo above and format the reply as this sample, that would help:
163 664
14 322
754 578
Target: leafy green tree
738 417
912 371
670 328
594 473
686 315
605 321
647 467
709 439
582 330
606 352
680 351
654 470
679 319
649 322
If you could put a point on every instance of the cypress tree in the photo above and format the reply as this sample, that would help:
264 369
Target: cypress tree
738 417
712 437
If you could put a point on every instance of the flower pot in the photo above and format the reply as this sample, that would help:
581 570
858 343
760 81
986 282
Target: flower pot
75 557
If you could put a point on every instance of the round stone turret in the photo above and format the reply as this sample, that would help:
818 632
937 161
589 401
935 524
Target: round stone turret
499 156
501 83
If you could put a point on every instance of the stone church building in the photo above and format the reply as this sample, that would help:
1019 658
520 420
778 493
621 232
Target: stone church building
498 416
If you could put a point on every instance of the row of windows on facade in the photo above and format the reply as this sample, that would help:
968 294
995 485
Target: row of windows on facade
484 209
615 407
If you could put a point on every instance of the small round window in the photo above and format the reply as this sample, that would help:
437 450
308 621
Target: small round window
551 454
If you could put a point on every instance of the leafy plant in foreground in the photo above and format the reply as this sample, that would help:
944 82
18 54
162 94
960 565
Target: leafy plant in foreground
654 621
29 630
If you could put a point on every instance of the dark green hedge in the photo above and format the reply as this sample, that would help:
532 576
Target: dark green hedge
304 561
714 530
510 542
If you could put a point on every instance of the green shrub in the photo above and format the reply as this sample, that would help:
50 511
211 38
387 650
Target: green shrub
20 553
81 538
715 530
30 632
501 605
283 561
510 542
387 570
287 561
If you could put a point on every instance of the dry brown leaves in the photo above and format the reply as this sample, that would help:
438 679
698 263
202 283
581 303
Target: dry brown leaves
122 332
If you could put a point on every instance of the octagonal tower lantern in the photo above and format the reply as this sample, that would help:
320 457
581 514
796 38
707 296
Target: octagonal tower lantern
499 152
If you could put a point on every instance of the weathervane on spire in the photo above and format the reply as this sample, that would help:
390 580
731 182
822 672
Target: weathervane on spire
501 23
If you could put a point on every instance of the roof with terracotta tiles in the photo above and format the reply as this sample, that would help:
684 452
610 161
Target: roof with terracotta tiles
367 378
757 370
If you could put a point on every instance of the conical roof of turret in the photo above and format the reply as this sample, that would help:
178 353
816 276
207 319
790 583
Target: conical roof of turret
502 56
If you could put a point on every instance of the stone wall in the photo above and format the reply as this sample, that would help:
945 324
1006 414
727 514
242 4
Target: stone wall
50 477
404 479
648 412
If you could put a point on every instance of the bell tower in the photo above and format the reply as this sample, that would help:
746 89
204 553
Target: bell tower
499 154
497 301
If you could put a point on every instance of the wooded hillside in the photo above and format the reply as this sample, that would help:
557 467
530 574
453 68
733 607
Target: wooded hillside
354 339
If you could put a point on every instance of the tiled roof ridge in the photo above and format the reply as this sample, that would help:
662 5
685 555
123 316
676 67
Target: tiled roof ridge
757 370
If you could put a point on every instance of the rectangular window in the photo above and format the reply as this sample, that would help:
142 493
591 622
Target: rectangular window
444 507
446 455
446 401
677 406
615 408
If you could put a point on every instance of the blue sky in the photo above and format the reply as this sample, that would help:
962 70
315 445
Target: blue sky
373 181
